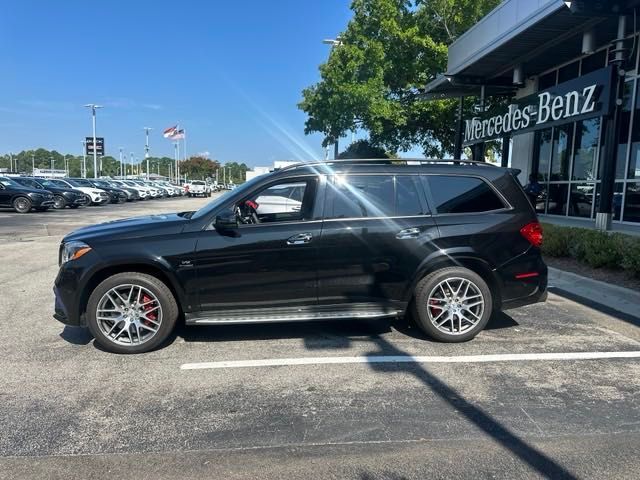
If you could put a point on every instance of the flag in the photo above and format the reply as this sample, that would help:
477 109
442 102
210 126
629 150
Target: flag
169 132
177 135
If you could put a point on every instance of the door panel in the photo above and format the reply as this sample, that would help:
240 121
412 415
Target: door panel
260 267
372 256
371 260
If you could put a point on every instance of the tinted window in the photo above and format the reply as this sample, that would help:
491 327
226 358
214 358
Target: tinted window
407 197
358 196
453 194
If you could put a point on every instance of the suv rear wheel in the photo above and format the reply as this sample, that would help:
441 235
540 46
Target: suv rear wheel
453 304
131 312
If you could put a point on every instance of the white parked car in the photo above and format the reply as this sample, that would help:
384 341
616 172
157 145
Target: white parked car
198 187
96 195
281 199
142 191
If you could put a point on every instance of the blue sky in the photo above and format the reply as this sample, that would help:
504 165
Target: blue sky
230 72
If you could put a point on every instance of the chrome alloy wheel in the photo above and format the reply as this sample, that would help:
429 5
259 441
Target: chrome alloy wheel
455 306
129 315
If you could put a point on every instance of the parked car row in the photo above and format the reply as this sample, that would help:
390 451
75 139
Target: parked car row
25 194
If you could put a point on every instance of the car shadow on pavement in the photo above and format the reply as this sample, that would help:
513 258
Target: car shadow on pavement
320 334
76 335
528 454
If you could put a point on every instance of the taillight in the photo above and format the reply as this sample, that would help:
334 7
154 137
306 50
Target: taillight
533 233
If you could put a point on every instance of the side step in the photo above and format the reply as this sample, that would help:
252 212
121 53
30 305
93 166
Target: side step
291 314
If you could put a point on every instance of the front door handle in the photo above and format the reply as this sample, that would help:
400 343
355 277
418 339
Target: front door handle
408 233
300 239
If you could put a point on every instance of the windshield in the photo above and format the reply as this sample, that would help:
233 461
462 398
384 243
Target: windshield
80 183
209 207
47 183
8 182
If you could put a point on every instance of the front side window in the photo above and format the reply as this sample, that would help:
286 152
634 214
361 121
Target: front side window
290 200
459 194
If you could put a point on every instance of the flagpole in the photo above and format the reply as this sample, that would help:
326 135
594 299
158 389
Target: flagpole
175 155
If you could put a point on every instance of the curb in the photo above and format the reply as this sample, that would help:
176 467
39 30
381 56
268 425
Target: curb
612 299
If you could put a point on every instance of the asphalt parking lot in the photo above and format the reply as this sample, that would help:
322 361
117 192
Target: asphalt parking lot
549 390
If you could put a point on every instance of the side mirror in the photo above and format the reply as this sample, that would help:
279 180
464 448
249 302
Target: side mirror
226 221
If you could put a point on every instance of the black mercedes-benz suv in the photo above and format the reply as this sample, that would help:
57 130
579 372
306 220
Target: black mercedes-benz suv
21 198
62 196
450 242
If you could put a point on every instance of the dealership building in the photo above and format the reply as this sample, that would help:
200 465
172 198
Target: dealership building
557 84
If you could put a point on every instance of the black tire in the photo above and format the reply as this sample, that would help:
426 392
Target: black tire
74 206
42 209
424 312
157 287
22 204
59 202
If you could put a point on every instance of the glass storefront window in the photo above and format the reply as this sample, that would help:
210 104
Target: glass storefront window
581 199
561 152
586 149
632 203
547 81
617 199
569 72
594 62
543 139
634 159
557 203
623 132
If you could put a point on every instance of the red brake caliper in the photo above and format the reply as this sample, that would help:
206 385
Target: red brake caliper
435 310
151 316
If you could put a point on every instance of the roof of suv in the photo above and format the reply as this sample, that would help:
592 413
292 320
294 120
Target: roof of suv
402 165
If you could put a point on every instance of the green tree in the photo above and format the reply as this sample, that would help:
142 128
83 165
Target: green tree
363 149
372 80
235 172
199 168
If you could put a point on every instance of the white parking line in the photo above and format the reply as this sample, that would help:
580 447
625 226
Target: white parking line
508 357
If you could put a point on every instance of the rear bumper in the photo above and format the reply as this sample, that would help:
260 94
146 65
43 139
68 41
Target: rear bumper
524 280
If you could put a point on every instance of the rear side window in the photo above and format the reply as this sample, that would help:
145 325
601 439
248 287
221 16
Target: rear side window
361 196
407 197
458 194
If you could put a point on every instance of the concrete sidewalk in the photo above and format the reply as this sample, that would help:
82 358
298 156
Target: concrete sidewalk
594 293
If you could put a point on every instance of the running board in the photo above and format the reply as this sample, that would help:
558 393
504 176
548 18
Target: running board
293 314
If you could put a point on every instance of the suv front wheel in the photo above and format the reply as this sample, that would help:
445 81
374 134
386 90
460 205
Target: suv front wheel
453 304
131 312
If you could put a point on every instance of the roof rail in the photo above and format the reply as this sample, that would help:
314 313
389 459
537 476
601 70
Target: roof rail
389 161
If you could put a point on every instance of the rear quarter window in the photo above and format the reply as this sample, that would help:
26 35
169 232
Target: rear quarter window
460 194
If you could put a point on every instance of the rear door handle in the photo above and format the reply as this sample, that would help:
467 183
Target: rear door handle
408 233
300 239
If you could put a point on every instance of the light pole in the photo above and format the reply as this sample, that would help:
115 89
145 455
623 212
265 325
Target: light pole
84 159
121 164
334 42
33 164
146 147
53 164
93 108
131 161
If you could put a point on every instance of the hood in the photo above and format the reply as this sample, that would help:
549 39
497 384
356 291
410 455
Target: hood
136 227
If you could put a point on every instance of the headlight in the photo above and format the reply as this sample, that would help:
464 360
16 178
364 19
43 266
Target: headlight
72 251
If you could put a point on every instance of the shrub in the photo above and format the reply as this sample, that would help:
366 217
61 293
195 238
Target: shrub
557 241
596 249
631 258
